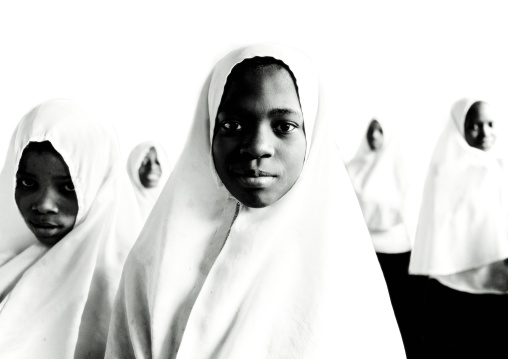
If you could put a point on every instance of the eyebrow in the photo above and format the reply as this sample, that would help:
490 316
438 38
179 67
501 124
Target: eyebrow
273 112
282 111
23 172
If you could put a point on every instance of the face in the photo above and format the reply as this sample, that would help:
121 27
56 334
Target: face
479 128
375 136
150 169
45 195
259 143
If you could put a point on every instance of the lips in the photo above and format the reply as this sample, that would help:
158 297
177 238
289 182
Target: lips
153 176
45 229
253 178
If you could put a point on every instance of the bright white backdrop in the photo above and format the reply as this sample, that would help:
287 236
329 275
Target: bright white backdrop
141 63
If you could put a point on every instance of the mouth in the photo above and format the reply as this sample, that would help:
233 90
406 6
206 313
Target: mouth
153 176
254 178
45 229
486 143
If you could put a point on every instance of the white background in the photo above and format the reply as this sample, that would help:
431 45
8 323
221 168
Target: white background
142 64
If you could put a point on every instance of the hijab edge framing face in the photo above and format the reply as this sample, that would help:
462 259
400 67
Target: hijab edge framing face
375 135
44 196
259 140
479 128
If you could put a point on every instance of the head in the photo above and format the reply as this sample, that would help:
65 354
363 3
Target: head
375 137
259 142
150 169
479 126
45 193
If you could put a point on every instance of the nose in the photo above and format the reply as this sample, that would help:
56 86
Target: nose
486 130
46 202
259 143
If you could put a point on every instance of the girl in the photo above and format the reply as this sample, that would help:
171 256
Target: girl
248 252
461 240
148 168
378 174
68 220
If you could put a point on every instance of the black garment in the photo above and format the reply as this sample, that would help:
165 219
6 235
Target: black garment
407 293
464 325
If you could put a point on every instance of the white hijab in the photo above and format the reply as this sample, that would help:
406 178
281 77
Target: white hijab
380 181
55 301
146 197
297 279
463 218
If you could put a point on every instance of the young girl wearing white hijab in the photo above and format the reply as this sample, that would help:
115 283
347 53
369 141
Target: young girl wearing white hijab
148 168
256 247
69 218
461 240
378 174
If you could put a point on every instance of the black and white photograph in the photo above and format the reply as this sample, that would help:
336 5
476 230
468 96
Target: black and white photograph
251 180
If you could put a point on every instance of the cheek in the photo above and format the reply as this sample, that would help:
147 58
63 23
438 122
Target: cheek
21 201
69 207
293 156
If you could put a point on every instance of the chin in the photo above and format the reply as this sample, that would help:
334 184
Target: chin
49 241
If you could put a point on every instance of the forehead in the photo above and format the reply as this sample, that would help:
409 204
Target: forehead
480 112
271 82
43 163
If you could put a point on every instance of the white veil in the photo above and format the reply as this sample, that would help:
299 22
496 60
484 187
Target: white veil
146 197
55 301
297 279
463 218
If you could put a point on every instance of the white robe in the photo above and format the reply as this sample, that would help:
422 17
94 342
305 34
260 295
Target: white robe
296 279
56 300
381 185
462 229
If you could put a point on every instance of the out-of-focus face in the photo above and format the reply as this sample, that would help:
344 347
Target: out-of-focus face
479 127
259 143
150 170
375 137
45 195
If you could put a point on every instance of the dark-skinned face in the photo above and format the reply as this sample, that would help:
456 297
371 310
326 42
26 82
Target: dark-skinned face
259 143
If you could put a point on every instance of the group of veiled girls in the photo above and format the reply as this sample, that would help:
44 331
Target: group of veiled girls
448 280
256 246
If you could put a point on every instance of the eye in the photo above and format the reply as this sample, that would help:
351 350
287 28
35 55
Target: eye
285 127
27 183
69 187
231 126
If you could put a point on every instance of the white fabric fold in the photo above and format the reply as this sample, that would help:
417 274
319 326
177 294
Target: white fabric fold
296 279
56 301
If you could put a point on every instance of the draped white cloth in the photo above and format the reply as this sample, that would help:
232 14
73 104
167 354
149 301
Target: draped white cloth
381 185
463 218
296 279
147 197
56 300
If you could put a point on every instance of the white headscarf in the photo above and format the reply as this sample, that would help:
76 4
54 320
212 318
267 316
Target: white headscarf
463 219
56 300
146 197
296 279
